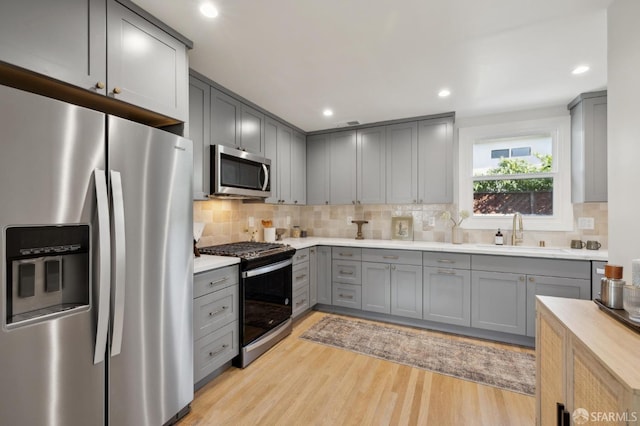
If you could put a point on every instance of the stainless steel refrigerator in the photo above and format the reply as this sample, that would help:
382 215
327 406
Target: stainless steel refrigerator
96 298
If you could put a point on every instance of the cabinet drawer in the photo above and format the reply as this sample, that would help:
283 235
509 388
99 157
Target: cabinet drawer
300 301
533 266
347 253
347 295
300 276
403 257
301 255
446 260
346 271
214 310
207 282
213 350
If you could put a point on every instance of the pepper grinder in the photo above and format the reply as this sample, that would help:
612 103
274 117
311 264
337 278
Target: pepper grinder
359 223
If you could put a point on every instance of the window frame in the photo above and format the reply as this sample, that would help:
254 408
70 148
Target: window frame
560 130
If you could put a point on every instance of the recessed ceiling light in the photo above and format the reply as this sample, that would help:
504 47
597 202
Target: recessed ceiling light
208 10
580 69
444 93
327 112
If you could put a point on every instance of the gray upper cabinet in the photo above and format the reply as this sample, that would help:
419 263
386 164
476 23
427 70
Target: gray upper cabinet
62 39
318 169
370 152
342 171
298 168
402 163
283 148
435 159
589 148
199 134
285 137
226 119
137 51
271 152
251 130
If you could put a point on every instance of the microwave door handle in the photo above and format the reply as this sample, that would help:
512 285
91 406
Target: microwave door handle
104 265
119 256
266 177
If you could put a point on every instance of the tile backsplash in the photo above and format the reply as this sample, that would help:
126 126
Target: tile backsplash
227 221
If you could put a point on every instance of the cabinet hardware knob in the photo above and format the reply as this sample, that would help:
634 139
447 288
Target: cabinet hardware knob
420 201
521 278
117 90
531 279
414 201
100 85
353 202
393 267
358 201
295 202
326 202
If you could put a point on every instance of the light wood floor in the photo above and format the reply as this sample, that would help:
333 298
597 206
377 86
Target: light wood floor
303 383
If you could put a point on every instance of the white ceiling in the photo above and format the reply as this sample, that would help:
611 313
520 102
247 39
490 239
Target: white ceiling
374 60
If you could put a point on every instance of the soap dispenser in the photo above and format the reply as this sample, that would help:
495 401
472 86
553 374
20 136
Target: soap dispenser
499 238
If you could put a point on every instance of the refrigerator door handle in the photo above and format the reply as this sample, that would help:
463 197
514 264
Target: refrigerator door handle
120 258
104 278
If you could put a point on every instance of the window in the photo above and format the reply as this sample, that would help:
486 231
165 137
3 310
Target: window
533 178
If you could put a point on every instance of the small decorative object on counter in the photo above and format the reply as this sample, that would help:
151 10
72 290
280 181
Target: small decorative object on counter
611 286
270 234
402 228
279 233
456 232
631 301
359 235
295 232
577 244
303 233
593 245
499 238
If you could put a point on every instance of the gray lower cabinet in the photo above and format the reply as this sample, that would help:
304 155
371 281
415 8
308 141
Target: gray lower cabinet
447 295
215 321
538 285
371 154
406 290
323 275
199 132
313 276
347 295
346 277
499 301
376 287
300 280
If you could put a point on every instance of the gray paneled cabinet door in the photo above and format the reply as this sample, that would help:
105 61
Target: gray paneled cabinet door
324 275
342 173
62 39
285 138
402 163
199 134
299 168
318 170
498 301
371 165
435 157
376 287
447 296
552 286
313 276
271 152
406 290
251 130
225 119
145 66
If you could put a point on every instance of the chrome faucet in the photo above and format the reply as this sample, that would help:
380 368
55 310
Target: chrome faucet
517 233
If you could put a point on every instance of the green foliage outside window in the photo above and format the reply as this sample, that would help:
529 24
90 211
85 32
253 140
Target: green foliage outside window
512 166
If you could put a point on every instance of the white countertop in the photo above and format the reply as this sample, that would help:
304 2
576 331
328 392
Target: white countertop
206 262
523 251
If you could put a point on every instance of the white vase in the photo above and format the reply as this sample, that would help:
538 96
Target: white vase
456 235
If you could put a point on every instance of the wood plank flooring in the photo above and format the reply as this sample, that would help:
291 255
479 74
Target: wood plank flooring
303 383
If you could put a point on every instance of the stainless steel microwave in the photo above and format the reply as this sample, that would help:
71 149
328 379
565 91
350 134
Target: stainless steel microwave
239 174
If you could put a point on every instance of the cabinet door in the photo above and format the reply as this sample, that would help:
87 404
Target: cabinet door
285 136
447 295
324 275
299 169
342 168
406 290
199 134
313 276
435 156
552 286
347 271
318 170
225 119
371 165
595 134
62 39
145 66
498 302
376 287
251 130
402 163
347 295
271 152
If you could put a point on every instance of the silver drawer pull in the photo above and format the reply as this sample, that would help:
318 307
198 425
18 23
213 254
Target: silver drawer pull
302 256
346 273
600 271
299 277
446 271
346 296
212 283
219 351
219 311
301 302
346 254
446 261
390 257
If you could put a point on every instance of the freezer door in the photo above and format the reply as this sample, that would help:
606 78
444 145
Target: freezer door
49 153
151 361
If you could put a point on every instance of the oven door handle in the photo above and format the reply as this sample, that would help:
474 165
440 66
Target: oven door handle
266 269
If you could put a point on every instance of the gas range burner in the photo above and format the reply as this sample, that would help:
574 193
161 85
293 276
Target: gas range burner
255 252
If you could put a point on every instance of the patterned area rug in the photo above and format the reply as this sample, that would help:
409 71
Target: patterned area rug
502 368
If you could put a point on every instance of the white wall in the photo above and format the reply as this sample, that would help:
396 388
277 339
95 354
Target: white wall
623 112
